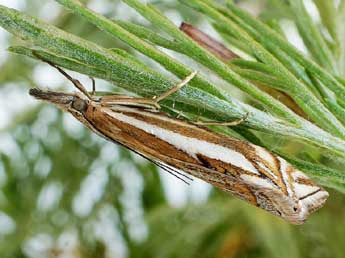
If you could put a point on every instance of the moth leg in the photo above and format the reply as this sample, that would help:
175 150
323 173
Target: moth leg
152 103
179 115
75 82
111 100
231 123
175 88
93 93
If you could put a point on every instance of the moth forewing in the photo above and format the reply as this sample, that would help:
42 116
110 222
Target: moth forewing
246 170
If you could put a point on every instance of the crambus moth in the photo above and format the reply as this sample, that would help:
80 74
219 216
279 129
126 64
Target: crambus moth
248 171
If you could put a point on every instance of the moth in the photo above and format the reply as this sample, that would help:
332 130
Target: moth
247 171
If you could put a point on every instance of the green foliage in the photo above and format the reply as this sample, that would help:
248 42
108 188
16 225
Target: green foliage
47 154
230 228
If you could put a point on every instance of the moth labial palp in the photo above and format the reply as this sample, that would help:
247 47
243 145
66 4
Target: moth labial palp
244 169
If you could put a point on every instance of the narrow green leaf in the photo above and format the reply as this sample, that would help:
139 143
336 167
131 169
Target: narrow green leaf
145 33
341 35
232 40
328 13
201 55
167 62
297 90
312 37
275 39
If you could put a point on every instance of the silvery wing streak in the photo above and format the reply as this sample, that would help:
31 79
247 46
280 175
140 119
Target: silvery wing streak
248 171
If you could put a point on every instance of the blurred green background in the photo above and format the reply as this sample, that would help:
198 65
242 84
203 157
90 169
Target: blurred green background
65 192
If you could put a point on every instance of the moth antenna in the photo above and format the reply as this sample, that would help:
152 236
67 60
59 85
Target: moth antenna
75 82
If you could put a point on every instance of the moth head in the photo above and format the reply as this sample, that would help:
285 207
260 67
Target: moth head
74 103
78 104
67 101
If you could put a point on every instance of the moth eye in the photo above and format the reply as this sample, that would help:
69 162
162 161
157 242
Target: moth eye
79 104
